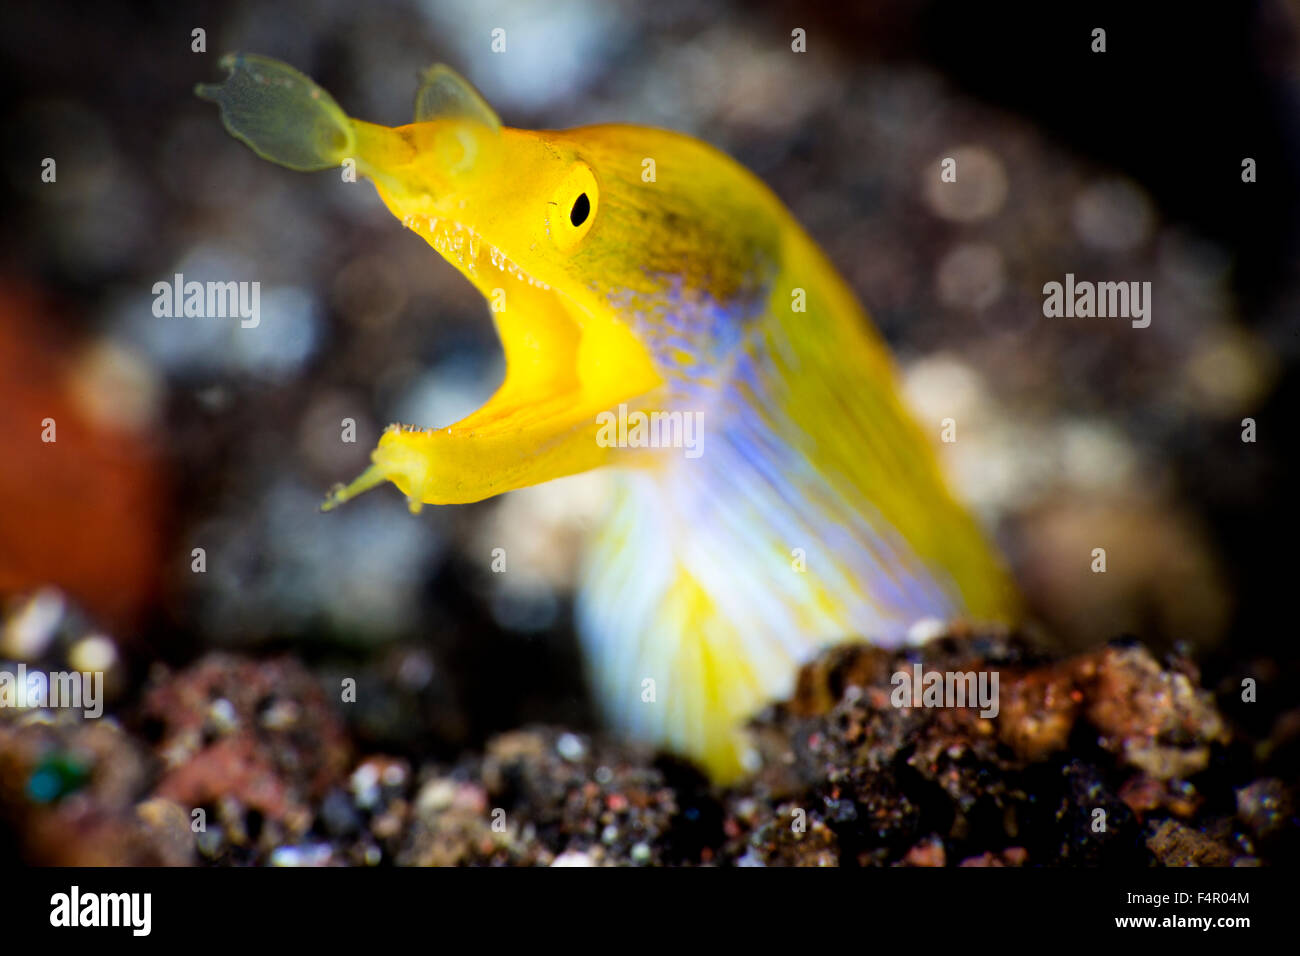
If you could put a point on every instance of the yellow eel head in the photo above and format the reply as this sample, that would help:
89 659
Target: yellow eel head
586 244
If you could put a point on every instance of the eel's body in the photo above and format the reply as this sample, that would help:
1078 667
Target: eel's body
637 268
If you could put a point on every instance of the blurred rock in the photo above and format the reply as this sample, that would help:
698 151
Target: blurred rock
1175 844
83 511
1086 763
253 744
67 798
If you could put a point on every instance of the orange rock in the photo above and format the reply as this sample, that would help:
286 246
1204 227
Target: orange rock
82 512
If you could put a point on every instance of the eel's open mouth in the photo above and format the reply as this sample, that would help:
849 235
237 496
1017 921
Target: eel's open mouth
564 366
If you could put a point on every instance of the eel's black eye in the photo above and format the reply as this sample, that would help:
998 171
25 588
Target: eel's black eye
581 210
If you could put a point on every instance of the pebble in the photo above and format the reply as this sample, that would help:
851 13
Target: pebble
94 653
573 858
311 854
338 814
223 716
29 632
571 747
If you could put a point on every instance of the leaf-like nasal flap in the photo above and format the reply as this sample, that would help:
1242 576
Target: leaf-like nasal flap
280 113
445 94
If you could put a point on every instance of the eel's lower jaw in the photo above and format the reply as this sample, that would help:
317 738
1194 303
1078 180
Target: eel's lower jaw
530 431
403 466
341 493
